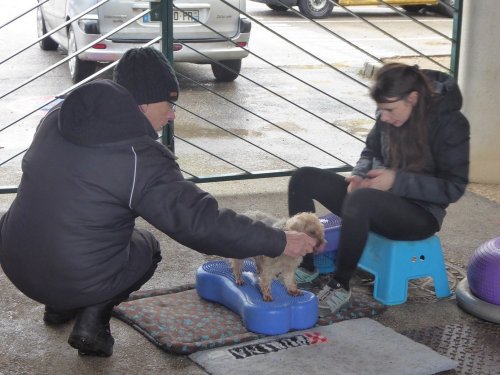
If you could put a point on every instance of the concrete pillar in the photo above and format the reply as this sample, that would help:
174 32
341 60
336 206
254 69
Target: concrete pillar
479 80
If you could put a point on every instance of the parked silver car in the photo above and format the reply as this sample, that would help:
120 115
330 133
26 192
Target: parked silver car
218 36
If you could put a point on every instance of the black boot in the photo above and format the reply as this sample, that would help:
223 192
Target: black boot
53 316
91 334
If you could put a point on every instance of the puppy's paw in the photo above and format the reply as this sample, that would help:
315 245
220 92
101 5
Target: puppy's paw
239 281
267 297
265 290
295 292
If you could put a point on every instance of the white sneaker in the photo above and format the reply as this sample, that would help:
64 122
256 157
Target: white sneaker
332 299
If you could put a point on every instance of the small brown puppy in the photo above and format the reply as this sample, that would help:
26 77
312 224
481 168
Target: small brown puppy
283 265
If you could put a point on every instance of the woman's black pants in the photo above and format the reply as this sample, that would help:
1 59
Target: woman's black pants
361 211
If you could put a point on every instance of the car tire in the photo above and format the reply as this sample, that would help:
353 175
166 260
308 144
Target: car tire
444 9
278 8
47 43
412 8
224 75
315 8
78 69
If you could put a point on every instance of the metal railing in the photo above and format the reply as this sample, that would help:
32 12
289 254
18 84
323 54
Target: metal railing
239 171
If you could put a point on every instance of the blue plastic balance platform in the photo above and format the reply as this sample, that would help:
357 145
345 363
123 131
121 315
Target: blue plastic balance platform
215 282
325 261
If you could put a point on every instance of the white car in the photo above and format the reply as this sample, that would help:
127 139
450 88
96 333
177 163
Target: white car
228 30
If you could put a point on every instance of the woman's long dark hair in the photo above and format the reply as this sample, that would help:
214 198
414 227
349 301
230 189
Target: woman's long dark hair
408 145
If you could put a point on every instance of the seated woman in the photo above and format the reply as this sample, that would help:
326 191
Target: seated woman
415 163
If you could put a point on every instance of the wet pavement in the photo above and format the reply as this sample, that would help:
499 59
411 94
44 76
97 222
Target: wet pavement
29 347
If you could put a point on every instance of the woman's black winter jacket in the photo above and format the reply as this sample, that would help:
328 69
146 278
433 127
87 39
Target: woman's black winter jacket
446 174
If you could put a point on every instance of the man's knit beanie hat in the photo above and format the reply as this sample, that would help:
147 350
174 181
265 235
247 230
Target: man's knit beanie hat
148 75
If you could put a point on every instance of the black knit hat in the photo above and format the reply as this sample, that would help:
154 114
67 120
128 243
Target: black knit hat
148 75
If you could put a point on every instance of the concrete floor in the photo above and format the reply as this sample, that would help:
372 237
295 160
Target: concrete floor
29 347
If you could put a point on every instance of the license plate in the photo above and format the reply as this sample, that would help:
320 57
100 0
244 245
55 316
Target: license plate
186 16
178 16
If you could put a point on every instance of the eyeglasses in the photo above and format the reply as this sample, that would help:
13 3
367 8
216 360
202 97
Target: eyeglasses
173 107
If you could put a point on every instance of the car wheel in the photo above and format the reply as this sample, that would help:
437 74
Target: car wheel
78 69
445 10
412 8
224 75
47 44
315 8
278 8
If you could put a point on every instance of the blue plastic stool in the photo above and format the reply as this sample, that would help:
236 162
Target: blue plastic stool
325 261
394 263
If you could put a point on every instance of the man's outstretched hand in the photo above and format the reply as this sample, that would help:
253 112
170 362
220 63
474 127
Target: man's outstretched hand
298 244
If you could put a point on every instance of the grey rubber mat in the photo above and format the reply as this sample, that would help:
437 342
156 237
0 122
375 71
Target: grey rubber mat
361 346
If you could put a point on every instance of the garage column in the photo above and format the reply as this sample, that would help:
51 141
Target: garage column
479 80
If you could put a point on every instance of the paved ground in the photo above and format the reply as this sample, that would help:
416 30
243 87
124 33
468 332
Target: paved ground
27 346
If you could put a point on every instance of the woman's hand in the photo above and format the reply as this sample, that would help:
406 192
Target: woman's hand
380 179
354 183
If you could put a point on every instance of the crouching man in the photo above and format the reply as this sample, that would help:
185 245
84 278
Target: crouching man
69 239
